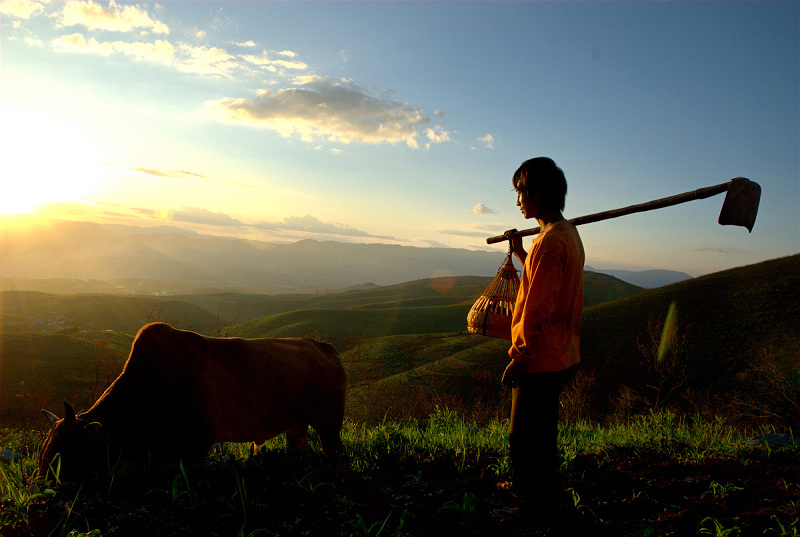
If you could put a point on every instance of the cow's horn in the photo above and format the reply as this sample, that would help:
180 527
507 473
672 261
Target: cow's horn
50 416
69 414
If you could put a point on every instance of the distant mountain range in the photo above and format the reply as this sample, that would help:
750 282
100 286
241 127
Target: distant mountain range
648 279
70 257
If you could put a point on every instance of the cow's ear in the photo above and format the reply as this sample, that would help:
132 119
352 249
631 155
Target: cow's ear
92 432
69 414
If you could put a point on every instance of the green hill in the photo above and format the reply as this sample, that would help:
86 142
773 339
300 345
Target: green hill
735 331
34 312
39 371
727 323
737 339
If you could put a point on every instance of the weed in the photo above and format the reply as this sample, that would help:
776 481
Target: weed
305 483
181 489
466 509
712 526
720 490
366 529
21 493
791 529
242 490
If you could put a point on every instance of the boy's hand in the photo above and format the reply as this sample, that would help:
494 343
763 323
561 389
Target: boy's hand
514 373
515 242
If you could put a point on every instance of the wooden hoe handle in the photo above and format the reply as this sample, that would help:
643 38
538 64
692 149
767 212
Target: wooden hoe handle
699 194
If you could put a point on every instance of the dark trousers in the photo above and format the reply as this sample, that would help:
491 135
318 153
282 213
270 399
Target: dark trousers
533 433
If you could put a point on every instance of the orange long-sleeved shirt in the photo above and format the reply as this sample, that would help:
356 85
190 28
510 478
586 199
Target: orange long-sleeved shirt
546 325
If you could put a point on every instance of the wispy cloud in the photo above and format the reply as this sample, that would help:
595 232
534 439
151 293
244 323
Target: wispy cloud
321 108
311 224
430 243
87 23
185 215
487 142
265 61
171 174
114 18
715 250
159 51
183 174
463 233
22 9
197 215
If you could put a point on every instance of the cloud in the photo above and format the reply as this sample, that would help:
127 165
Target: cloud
203 60
158 52
274 65
196 215
183 174
311 224
433 244
114 18
487 141
715 250
462 233
21 9
482 209
310 107
320 108
171 174
437 135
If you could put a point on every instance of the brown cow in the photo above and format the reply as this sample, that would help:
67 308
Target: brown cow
180 393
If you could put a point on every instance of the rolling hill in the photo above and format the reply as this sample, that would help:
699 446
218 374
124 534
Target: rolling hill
395 334
43 335
725 323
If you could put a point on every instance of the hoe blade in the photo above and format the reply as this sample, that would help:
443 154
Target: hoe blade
741 204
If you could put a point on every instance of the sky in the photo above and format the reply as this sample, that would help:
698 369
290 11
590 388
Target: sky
403 122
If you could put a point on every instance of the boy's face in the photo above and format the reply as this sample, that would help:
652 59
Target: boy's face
528 205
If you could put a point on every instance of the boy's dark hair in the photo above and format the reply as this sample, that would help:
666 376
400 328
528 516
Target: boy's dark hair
541 174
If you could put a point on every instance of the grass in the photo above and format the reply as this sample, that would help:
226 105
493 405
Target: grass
425 477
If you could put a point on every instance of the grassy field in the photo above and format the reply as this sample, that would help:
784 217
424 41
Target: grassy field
656 475
681 445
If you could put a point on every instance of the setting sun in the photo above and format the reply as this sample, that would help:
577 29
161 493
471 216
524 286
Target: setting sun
44 160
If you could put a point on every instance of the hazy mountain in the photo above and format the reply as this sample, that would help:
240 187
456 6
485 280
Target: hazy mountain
87 251
648 279
83 257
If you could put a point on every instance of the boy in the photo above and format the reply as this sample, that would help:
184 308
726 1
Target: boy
545 335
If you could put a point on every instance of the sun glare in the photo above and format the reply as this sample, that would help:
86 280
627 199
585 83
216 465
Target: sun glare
43 160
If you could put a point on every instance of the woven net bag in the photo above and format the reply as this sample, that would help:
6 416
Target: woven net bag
491 314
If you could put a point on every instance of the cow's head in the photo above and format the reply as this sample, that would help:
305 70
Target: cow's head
73 439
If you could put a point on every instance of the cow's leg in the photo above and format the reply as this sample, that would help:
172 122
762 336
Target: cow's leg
330 438
297 437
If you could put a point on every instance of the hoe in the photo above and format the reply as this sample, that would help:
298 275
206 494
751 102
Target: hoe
491 314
